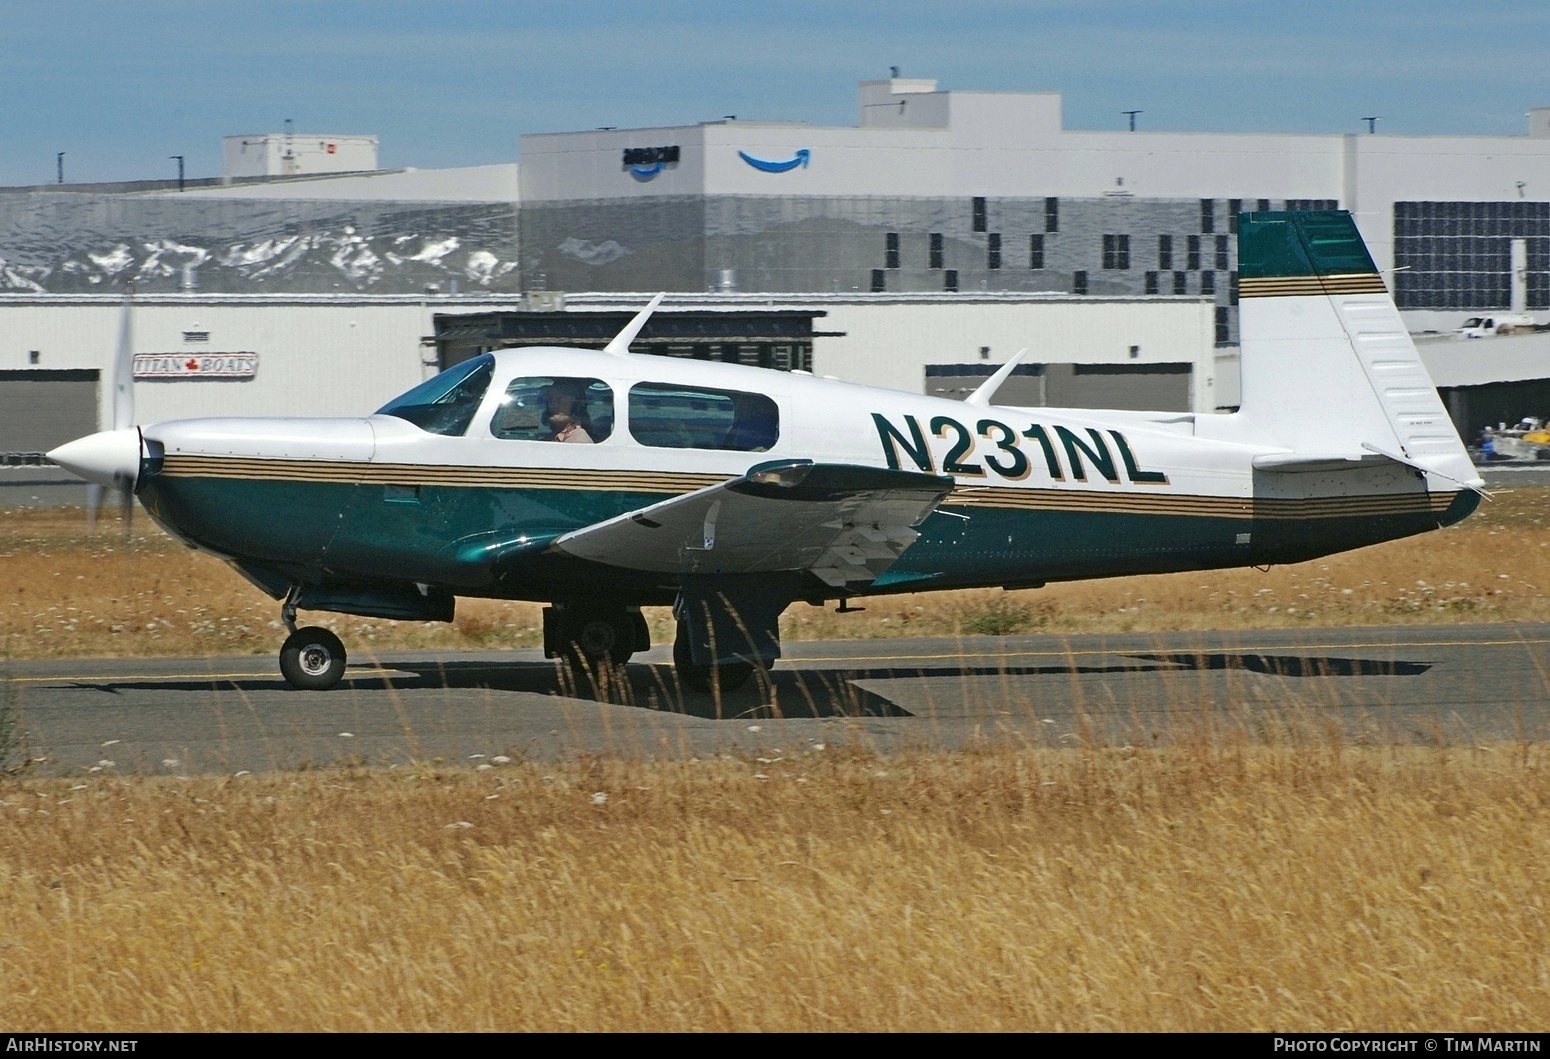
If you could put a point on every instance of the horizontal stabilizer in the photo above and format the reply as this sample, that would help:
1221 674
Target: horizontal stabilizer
1372 456
844 524
1306 462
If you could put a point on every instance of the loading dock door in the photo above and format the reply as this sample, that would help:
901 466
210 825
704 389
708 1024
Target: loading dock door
40 410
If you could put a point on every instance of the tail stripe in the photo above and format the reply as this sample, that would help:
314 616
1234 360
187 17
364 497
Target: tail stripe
1298 286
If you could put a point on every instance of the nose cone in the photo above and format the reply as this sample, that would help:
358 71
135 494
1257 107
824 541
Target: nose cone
110 458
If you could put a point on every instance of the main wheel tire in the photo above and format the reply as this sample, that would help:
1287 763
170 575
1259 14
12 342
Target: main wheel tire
596 639
312 659
729 676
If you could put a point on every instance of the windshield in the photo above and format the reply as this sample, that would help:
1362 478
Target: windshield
445 404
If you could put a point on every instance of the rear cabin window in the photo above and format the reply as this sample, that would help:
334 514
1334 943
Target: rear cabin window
447 403
689 417
543 408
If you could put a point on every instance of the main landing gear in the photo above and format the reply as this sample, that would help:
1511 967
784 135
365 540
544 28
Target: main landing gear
598 639
313 658
593 638
728 676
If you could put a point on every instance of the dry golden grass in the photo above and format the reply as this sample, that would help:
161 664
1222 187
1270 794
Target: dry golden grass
1216 886
64 594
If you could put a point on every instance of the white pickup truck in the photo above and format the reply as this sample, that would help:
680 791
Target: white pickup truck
1499 324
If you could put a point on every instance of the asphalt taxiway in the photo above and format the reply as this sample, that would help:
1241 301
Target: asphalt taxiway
1455 684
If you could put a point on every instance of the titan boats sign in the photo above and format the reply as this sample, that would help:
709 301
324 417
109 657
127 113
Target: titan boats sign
196 365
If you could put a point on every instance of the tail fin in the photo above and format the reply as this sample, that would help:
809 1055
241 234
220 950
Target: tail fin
1328 367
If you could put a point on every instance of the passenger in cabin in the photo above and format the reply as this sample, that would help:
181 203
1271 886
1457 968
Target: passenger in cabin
564 413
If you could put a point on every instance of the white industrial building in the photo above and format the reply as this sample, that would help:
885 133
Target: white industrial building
985 191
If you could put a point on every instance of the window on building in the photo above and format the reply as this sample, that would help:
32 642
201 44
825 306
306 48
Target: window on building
979 224
1192 254
936 250
1264 205
1052 214
1458 255
1151 283
1181 283
879 280
1222 333
1234 207
891 250
1208 283
1165 252
1079 282
1116 251
1232 288
1036 251
691 417
554 409
1208 216
1221 253
950 281
993 250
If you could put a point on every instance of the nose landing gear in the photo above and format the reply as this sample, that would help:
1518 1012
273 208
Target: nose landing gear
312 658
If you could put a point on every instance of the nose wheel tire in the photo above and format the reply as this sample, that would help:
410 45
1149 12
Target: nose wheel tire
312 659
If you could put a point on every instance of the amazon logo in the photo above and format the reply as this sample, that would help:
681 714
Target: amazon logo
764 165
643 163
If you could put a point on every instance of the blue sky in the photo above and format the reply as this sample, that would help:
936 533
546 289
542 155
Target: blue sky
122 86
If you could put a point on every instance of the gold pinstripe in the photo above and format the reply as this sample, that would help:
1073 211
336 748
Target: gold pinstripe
1203 506
1294 286
355 473
1006 498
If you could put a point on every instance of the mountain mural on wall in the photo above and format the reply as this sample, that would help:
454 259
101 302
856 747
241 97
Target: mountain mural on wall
62 242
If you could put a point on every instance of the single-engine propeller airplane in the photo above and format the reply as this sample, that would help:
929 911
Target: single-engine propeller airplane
600 481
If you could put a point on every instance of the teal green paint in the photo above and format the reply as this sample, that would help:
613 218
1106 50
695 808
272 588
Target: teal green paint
493 542
1102 459
915 445
953 463
1135 473
1315 243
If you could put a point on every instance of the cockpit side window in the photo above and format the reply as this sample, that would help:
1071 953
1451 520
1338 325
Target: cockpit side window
693 417
445 404
548 408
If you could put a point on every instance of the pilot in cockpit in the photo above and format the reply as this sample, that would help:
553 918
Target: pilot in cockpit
563 413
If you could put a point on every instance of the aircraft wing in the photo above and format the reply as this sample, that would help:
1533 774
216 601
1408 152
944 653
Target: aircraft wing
845 524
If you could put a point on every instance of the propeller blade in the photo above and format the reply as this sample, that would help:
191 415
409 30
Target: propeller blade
126 503
124 399
124 367
93 502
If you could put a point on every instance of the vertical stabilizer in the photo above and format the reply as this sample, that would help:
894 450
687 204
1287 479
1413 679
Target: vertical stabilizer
1327 364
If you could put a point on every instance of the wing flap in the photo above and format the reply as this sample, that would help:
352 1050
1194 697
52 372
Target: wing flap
845 524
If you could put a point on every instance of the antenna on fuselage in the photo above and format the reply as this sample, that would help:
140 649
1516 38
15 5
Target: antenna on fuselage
988 388
620 346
